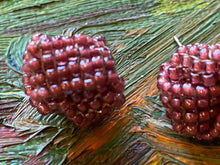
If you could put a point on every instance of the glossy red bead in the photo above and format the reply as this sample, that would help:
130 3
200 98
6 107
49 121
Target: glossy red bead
188 89
211 67
203 103
61 56
165 99
187 61
95 104
90 115
57 43
77 83
55 90
85 53
34 95
32 47
204 116
177 116
35 37
34 64
40 79
198 65
109 64
28 89
112 77
166 86
214 111
161 81
118 86
99 78
177 88
64 105
47 45
71 51
48 60
178 127
202 92
88 94
207 136
51 74
76 97
86 66
73 67
216 54
78 119
80 39
71 112
118 100
214 132
204 53
176 59
43 108
194 50
175 103
183 50
174 73
215 90
217 125
209 80
186 73
83 107
62 72
66 86
191 129
89 84
191 117
43 93
189 103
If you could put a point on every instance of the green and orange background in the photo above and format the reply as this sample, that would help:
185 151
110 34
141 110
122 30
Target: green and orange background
140 35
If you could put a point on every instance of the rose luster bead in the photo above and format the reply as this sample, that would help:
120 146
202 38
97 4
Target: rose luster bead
175 73
196 78
175 102
197 65
209 80
177 116
210 67
188 89
216 54
191 117
204 53
187 61
215 90
204 127
203 103
191 129
204 116
177 88
176 59
189 103
194 50
202 92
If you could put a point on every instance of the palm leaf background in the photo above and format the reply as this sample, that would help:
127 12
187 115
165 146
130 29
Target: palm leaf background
139 33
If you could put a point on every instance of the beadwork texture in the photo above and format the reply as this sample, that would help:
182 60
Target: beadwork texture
190 90
72 75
